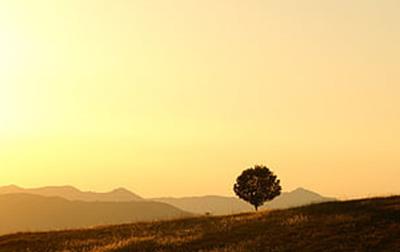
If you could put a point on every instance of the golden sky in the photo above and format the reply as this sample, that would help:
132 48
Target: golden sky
177 97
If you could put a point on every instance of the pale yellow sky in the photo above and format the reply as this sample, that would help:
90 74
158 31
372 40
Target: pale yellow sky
177 97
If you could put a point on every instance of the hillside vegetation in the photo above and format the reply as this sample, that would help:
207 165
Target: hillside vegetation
360 225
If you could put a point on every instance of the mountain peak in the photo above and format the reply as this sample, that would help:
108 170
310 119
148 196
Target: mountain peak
301 189
64 187
12 187
121 190
125 194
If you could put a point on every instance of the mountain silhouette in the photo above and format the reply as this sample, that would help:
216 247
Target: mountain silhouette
72 193
216 205
219 205
28 212
298 197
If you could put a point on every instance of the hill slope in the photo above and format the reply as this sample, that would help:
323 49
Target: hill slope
22 212
218 205
71 193
362 225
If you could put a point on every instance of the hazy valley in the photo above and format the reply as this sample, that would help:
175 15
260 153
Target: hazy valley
54 208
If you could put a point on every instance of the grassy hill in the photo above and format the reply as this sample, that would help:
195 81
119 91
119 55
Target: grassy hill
360 225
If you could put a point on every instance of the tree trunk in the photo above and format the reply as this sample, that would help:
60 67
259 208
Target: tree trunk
256 207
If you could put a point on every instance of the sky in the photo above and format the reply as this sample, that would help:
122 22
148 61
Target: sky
176 98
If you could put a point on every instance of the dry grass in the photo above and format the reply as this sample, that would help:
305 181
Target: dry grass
363 225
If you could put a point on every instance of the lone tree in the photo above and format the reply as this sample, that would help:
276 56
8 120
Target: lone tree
257 185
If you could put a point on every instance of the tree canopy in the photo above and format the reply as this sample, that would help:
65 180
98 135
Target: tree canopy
257 185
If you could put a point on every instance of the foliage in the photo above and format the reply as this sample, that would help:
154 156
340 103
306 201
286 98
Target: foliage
257 185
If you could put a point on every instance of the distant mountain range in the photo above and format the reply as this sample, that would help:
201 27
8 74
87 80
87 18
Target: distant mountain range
28 212
219 205
71 193
53 207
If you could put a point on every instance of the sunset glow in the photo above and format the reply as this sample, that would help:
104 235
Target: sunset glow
178 98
